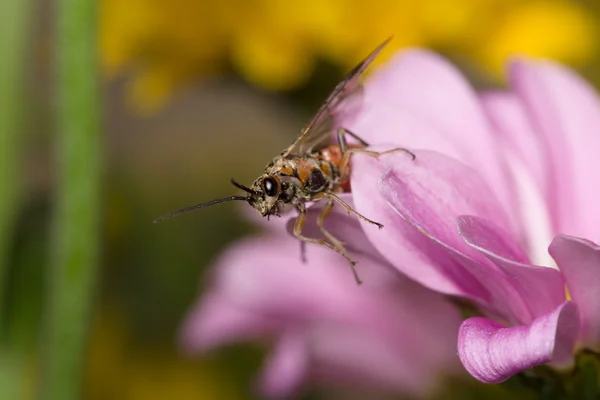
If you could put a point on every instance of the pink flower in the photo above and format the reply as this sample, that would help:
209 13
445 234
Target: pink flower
504 185
497 175
389 334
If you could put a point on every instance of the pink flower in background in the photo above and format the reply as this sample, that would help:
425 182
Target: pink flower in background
388 335
496 177
504 186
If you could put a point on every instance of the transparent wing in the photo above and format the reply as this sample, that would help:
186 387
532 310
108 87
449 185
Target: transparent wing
317 133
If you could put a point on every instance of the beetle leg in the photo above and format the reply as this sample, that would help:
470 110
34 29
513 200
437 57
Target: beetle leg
303 252
347 152
341 137
337 247
349 209
321 220
377 154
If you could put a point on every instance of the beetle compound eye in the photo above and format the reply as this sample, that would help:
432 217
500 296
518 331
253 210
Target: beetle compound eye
271 186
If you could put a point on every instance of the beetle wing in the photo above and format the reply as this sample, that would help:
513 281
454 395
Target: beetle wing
317 133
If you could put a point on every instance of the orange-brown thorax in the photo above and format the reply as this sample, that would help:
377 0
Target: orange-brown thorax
305 171
294 179
333 154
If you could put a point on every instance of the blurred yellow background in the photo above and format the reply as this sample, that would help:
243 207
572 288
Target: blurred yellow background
196 92
276 44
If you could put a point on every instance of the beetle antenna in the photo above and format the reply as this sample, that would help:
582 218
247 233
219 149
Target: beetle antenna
199 206
244 188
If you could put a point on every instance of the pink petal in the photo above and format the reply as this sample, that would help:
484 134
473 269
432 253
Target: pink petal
254 264
433 190
359 357
239 308
484 236
429 194
492 353
515 132
261 290
442 110
423 198
216 321
528 165
385 123
566 113
322 286
402 245
287 367
539 288
579 261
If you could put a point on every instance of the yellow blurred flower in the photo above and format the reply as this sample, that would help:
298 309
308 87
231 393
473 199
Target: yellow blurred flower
543 28
275 43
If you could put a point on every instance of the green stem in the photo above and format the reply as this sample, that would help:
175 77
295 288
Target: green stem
14 27
11 375
76 225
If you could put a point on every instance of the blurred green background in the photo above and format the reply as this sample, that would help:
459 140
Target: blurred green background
192 93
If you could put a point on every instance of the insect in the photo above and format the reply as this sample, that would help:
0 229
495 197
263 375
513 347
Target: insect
313 168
